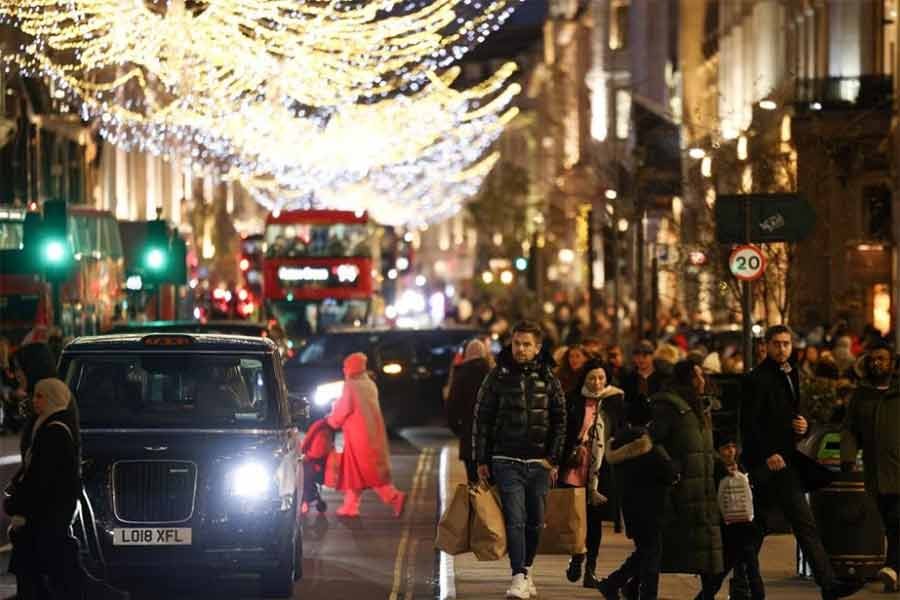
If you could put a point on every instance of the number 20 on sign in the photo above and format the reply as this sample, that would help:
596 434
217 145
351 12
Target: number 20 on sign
747 263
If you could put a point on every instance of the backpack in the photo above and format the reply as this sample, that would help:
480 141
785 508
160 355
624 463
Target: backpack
736 499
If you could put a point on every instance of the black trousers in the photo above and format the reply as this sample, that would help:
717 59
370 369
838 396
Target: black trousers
741 545
644 563
784 490
889 507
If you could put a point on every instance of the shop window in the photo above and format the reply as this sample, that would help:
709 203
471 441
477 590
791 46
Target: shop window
618 24
881 307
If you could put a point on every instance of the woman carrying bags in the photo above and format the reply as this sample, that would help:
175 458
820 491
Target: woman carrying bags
594 414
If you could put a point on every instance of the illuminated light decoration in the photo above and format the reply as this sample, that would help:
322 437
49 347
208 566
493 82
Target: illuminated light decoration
611 194
303 274
347 273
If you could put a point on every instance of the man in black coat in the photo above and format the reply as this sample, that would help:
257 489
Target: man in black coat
643 380
518 436
772 425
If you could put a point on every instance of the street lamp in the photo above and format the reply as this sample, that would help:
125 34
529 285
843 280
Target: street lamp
696 153
506 277
611 194
768 104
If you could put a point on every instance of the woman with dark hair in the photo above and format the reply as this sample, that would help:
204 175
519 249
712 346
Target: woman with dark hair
692 540
465 381
571 368
594 414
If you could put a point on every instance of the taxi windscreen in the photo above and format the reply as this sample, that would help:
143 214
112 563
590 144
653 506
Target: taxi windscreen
174 391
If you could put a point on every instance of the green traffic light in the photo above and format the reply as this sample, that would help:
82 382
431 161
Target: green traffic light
156 259
55 251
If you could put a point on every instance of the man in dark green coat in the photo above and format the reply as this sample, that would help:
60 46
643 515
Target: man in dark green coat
692 539
873 422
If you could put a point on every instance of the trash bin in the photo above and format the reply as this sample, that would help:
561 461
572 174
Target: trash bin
850 526
847 518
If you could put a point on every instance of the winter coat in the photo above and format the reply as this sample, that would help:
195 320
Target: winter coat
873 422
366 460
767 411
466 381
692 540
646 473
609 421
46 494
631 385
521 412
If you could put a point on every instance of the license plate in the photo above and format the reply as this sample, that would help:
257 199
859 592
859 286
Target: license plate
152 536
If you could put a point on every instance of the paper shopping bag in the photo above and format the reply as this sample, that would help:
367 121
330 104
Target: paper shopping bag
453 528
487 530
565 522
333 463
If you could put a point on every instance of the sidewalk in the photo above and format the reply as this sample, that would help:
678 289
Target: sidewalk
483 580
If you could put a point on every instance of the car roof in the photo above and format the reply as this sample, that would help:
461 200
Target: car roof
200 342
197 326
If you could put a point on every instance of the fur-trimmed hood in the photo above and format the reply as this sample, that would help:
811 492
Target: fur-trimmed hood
630 450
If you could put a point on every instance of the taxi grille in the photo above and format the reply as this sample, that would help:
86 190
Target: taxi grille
154 491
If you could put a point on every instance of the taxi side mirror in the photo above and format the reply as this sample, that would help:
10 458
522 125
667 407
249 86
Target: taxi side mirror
299 410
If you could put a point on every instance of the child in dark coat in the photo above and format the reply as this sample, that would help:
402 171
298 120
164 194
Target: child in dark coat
647 472
740 535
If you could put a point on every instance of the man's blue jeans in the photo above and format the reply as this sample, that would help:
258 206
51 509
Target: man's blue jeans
523 491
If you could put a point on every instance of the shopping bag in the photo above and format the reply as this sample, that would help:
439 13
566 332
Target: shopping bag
565 522
487 530
453 528
332 477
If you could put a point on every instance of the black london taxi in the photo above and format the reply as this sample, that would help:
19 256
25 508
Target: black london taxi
189 456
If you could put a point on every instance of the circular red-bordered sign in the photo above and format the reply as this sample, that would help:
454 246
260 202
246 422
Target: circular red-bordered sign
747 263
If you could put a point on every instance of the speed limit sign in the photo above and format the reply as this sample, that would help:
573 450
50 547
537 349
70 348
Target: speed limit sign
747 263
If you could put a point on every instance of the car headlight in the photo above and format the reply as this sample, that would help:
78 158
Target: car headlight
251 480
327 393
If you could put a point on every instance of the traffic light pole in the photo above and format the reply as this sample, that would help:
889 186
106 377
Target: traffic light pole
57 303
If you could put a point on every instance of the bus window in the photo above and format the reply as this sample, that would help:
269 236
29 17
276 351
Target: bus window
297 240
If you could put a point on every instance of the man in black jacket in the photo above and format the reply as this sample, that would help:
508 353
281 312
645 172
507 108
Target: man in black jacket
772 425
518 435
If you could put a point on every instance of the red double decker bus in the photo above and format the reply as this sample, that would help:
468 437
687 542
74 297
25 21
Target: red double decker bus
317 269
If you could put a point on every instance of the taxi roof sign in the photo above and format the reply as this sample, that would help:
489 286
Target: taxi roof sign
167 340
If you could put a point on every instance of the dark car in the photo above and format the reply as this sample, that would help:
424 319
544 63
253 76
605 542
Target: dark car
189 456
410 368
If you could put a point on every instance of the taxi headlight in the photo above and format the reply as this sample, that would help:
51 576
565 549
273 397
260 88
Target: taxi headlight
327 393
251 480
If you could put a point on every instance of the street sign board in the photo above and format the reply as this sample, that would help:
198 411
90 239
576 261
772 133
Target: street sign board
773 218
747 263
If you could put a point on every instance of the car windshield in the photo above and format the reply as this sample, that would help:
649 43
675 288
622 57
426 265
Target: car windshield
331 350
172 391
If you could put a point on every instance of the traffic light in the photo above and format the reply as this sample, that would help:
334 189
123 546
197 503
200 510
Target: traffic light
53 248
155 257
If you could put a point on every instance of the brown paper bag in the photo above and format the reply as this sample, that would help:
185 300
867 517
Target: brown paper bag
333 465
565 522
453 528
487 530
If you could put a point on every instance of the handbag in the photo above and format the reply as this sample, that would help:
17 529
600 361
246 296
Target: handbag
565 522
453 528
487 529
333 468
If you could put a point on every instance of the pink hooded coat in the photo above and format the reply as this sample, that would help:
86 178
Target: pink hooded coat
366 461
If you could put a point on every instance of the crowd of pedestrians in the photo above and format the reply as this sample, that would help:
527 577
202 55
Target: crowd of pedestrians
641 440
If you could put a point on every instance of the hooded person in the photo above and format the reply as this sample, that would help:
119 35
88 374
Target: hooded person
366 458
465 382
43 499
595 413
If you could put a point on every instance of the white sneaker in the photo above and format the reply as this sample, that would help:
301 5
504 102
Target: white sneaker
518 589
888 577
532 589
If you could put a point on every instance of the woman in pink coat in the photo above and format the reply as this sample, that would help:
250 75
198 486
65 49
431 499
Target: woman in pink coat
366 460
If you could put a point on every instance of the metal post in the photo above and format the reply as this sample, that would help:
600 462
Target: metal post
617 282
654 294
639 242
57 303
746 300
